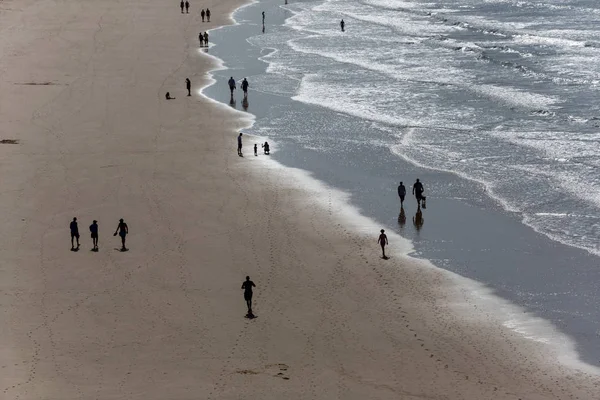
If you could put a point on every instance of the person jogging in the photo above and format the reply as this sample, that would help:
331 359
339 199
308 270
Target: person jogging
247 286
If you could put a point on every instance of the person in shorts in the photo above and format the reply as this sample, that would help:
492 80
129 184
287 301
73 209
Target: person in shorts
94 235
74 233
247 285
123 230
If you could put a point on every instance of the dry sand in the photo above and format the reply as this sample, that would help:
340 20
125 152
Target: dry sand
166 320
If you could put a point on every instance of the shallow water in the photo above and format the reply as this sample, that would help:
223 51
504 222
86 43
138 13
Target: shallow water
498 92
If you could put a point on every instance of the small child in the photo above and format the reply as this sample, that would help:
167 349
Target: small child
255 149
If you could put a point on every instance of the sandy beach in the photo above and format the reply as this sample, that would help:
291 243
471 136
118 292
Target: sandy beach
83 86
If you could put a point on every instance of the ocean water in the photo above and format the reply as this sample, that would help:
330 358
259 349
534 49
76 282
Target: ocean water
490 103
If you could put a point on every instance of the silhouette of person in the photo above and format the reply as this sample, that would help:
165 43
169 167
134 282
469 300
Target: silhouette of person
383 241
240 145
181 5
231 84
201 39
342 25
187 7
206 39
208 15
286 1
401 193
188 86
244 87
418 220
168 96
266 148
202 13
263 15
418 190
255 149
74 233
123 230
402 217
247 285
94 234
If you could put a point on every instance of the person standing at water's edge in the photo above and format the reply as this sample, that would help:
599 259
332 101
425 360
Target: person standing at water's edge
94 235
263 15
418 190
74 233
342 25
239 140
255 149
231 84
188 86
123 230
244 87
383 241
401 193
247 286
206 39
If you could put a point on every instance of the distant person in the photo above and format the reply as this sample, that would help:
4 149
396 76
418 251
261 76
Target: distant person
94 235
342 25
418 190
201 39
202 14
255 149
266 149
286 1
168 96
231 84
188 86
244 87
418 220
206 39
401 193
74 233
187 7
247 285
383 241
123 230
181 5
263 15
240 145
402 217
208 15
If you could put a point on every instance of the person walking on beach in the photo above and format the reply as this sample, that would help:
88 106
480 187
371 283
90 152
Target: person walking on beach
255 149
201 39
94 235
263 15
418 190
342 25
202 13
207 15
401 193
187 7
181 5
188 86
240 145
383 241
123 230
244 87
247 286
231 85
74 234
206 39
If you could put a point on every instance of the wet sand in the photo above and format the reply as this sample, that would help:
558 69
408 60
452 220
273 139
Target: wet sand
83 93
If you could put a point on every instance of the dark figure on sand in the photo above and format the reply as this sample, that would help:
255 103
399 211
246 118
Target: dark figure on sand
247 285
123 230
181 5
240 145
202 14
263 15
231 84
168 96
188 86
383 241
244 87
266 149
94 235
255 149
418 190
401 193
208 15
418 220
74 233
187 7
201 39
206 39
342 25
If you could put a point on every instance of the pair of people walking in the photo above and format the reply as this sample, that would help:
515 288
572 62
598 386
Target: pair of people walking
122 230
417 191
205 14
185 5
244 86
203 38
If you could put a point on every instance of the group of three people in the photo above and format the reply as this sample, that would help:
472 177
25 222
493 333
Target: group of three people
122 230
